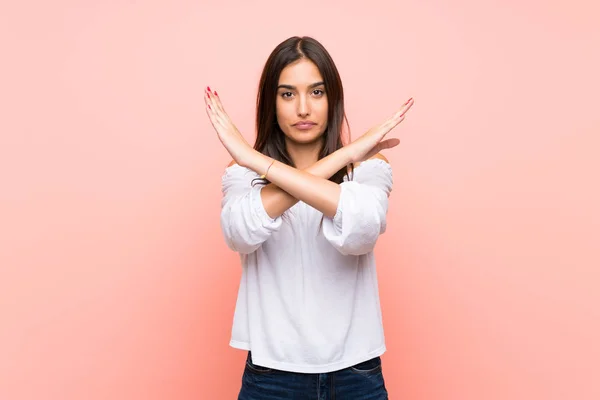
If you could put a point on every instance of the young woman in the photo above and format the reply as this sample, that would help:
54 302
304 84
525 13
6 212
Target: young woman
304 212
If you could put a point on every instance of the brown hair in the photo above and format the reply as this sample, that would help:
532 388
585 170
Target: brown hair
270 140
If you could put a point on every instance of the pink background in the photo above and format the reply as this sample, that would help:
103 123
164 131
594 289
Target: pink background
115 282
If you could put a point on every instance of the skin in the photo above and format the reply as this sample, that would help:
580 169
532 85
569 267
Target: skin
301 96
309 182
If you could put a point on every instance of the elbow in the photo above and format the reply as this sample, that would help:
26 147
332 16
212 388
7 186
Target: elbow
359 251
237 242
241 235
359 246
357 240
242 247
359 220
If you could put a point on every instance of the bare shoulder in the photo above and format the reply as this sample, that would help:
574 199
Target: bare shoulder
376 156
381 157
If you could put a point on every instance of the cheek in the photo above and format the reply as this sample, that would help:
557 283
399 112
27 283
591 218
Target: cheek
322 104
324 114
323 110
279 115
286 113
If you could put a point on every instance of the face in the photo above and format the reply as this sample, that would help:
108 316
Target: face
302 103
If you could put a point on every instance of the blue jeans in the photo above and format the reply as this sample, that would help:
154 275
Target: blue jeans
363 381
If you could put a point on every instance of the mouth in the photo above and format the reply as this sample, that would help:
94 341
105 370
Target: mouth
304 125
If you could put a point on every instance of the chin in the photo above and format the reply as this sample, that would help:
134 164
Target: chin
305 139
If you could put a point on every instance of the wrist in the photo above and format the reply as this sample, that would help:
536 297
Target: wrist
246 157
257 161
348 154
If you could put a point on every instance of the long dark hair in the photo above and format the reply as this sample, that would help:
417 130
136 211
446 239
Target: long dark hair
270 140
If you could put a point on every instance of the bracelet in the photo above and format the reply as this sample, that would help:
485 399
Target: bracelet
265 174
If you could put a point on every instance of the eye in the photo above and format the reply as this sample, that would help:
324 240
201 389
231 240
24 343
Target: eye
318 92
286 95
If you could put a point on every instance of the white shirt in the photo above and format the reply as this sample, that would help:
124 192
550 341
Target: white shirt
308 299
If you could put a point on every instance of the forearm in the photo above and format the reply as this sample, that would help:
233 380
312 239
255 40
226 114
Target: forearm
276 200
290 185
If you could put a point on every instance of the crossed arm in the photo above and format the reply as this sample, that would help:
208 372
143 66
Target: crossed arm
310 185
250 215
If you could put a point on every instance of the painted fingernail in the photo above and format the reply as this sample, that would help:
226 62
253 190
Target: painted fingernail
408 101
208 94
209 107
208 88
216 93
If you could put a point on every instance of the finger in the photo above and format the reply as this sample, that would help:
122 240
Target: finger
217 116
392 123
211 100
408 105
210 111
212 105
404 109
215 120
217 106
218 102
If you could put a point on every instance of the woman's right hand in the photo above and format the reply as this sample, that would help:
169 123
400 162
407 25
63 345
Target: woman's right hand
372 142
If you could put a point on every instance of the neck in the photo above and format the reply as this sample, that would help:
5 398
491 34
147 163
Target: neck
304 155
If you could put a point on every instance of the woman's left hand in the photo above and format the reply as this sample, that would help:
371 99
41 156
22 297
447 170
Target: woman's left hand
228 134
372 142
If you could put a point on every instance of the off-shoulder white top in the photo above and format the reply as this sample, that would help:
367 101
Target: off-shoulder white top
308 299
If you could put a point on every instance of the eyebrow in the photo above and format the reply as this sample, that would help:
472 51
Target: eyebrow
294 87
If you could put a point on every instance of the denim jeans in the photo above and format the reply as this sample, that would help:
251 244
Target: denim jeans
363 381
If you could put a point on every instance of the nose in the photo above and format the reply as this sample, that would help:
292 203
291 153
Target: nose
303 106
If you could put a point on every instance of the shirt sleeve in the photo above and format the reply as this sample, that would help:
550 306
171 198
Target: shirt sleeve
244 222
362 209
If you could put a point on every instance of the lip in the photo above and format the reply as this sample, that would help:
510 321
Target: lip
304 125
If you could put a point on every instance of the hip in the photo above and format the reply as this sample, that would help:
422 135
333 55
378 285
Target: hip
358 382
